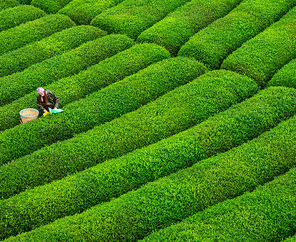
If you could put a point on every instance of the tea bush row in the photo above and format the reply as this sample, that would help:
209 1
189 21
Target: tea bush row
70 63
82 12
131 17
31 31
50 6
84 114
266 214
175 29
18 15
173 198
286 76
173 112
58 43
214 43
261 57
112 178
4 4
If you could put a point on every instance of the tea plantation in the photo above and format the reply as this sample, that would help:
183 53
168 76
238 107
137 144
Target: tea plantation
178 125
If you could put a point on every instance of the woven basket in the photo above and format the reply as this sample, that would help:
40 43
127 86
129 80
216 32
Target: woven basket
28 114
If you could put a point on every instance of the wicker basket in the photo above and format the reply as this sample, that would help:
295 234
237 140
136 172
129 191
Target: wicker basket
28 114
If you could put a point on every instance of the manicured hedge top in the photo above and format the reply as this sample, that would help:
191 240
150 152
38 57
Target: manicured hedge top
50 6
21 14
76 119
4 4
267 214
168 200
31 31
131 17
214 43
173 112
286 76
82 12
67 64
261 57
175 29
58 43
233 127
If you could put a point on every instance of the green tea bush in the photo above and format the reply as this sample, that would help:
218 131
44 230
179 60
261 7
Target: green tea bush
83 11
131 17
4 4
214 43
173 112
290 239
67 64
286 76
267 214
58 43
107 104
261 57
168 200
92 79
31 31
85 114
21 14
50 6
112 178
175 29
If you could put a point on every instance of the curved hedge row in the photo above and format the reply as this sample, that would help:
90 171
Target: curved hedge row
286 76
4 4
84 114
173 112
168 200
214 43
70 63
260 57
266 214
175 29
50 6
112 178
138 15
58 43
31 31
82 12
21 14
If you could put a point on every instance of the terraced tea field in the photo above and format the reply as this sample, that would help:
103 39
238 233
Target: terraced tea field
179 120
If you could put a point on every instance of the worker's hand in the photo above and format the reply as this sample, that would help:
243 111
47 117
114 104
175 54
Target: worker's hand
55 108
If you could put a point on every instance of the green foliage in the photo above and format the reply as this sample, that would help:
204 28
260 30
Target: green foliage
261 57
31 31
96 77
4 4
50 6
291 239
131 17
21 14
58 43
286 76
175 29
112 178
214 43
83 11
167 115
77 117
267 214
168 200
